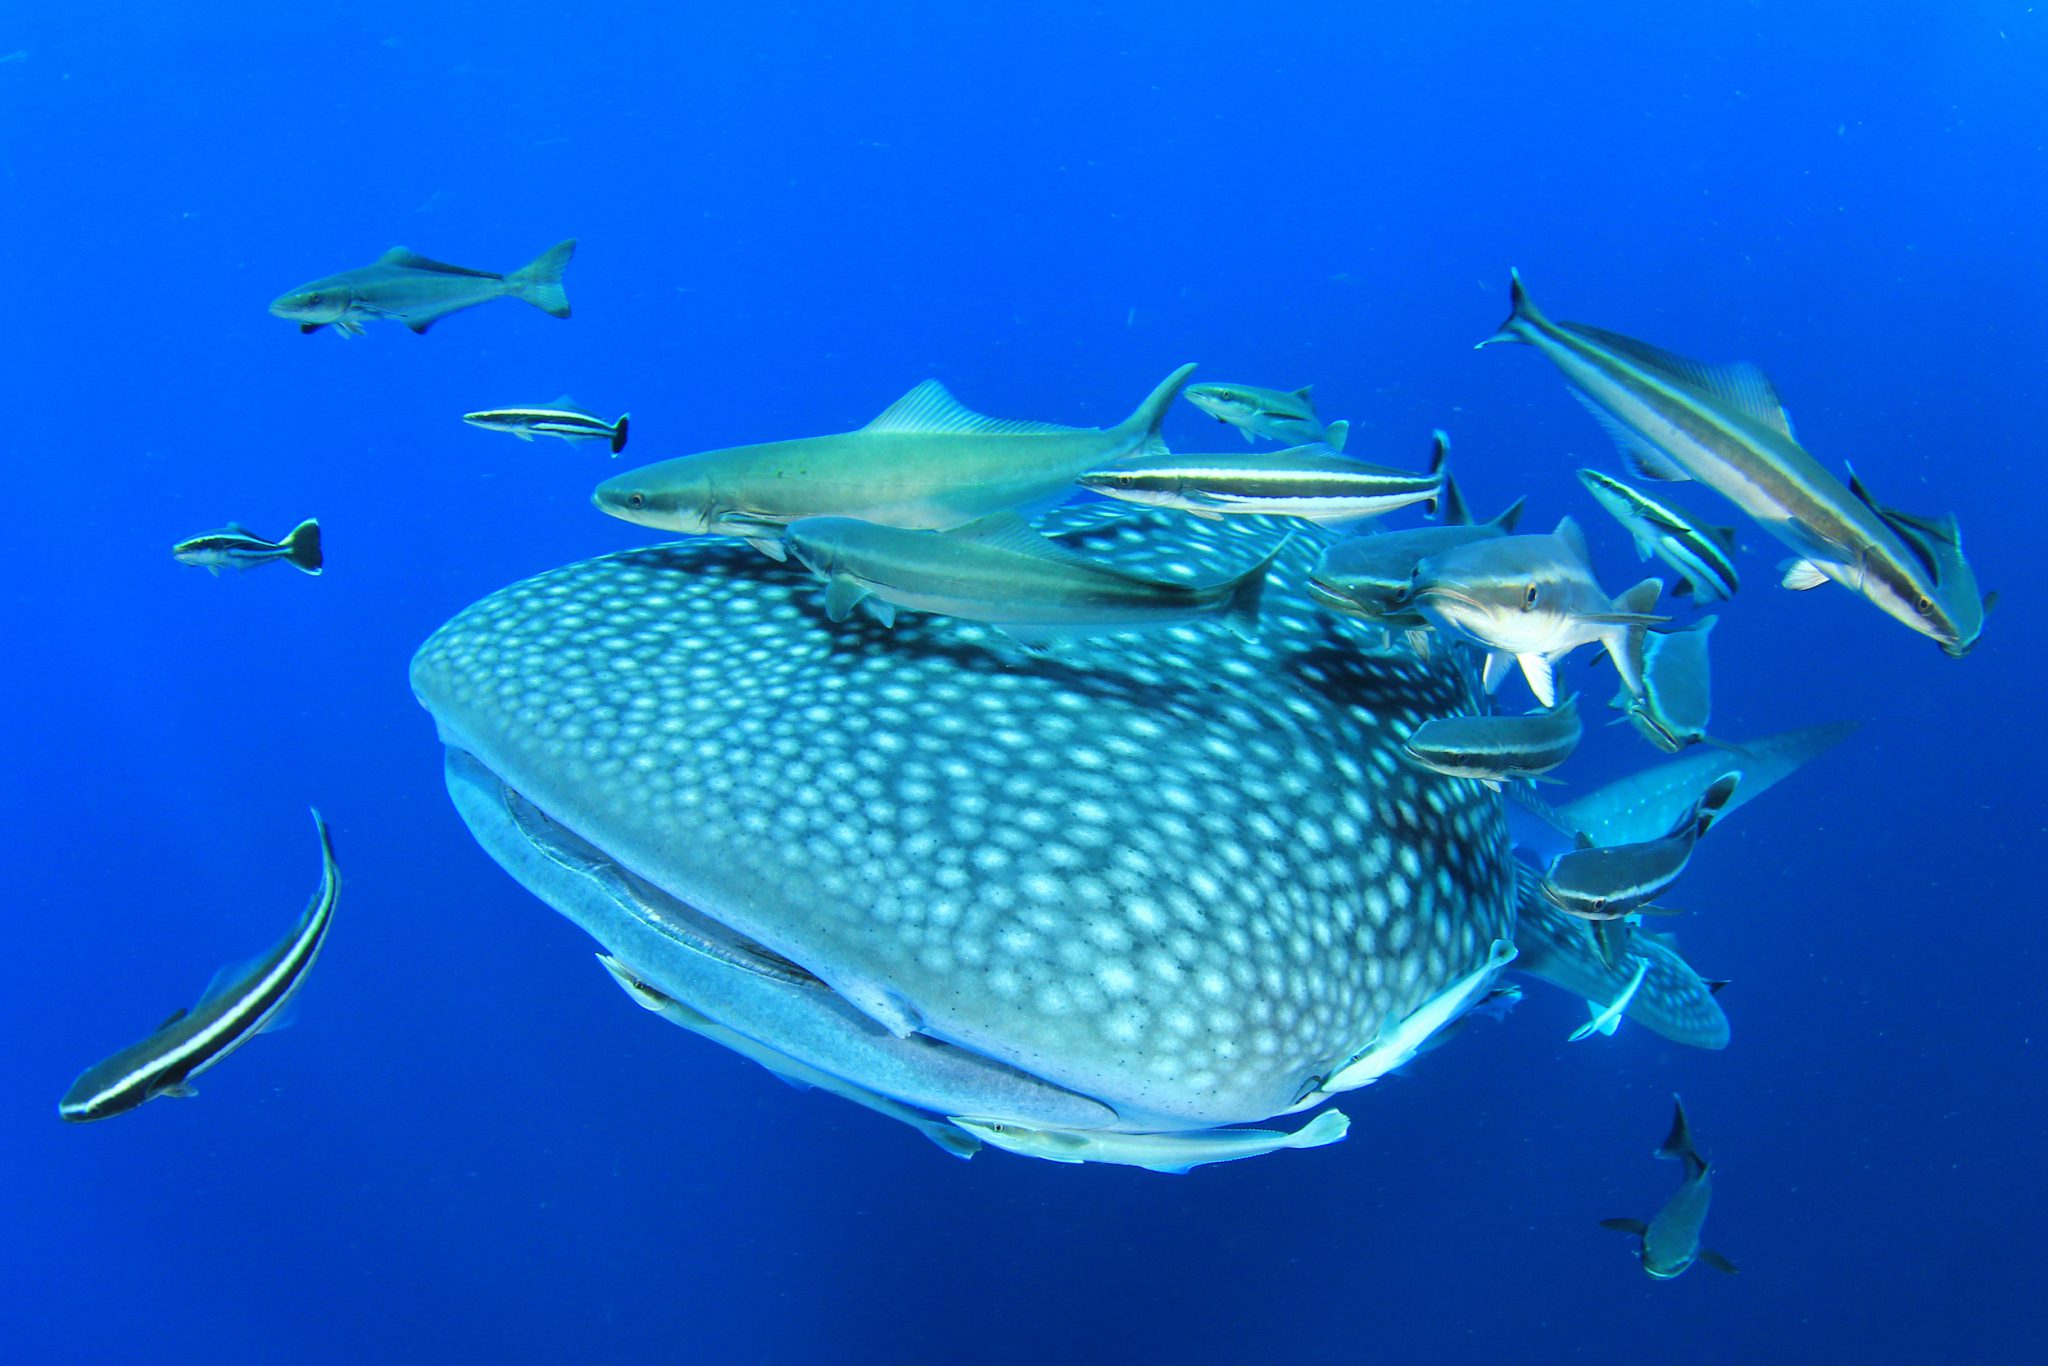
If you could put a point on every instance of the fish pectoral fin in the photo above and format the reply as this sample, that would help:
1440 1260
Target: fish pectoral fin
183 1090
1498 663
881 611
308 329
1537 670
1634 1226
842 594
1801 575
347 327
1709 1257
769 546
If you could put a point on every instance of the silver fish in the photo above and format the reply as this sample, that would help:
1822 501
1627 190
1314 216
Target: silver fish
1173 1153
1724 425
1532 600
560 418
1702 555
1670 1243
234 546
1498 749
998 570
1310 482
927 463
1371 576
241 1004
1156 884
1607 882
1276 414
1672 710
419 292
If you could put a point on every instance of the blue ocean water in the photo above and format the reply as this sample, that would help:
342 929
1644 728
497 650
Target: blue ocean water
471 1148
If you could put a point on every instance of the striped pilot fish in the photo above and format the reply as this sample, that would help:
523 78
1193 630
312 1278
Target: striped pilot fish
1497 749
242 1002
1702 555
1724 425
1311 482
419 292
234 546
563 417
1276 414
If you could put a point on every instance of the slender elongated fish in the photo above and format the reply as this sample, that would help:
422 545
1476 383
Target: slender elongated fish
562 418
1310 482
1670 1243
1607 882
240 1004
234 546
926 463
1532 600
1276 414
1672 710
998 570
1702 554
1606 1019
1176 1154
1370 576
419 292
795 1071
1497 749
1724 425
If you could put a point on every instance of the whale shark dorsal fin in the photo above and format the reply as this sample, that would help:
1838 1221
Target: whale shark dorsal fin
931 408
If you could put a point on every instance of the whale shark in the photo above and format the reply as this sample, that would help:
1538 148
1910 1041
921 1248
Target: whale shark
1155 884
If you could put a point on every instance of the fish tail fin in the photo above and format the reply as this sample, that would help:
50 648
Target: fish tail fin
1454 508
1334 435
1243 593
1142 426
302 546
1324 1129
1523 315
1678 1143
539 282
1439 459
619 432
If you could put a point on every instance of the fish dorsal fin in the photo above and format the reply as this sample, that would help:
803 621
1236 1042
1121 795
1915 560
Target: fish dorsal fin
175 1016
236 528
1306 393
1008 531
1738 384
1574 539
408 259
1926 537
562 403
930 408
224 979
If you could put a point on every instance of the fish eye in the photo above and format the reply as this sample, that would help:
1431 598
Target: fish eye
637 500
1924 606
1529 596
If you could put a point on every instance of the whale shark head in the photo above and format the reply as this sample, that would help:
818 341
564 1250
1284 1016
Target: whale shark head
1143 883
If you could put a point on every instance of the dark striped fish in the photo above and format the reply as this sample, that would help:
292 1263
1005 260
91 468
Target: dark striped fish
234 546
240 1005
1497 749
1311 482
1611 881
563 418
1700 554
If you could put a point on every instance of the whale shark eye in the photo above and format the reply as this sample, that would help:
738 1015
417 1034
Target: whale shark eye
1529 596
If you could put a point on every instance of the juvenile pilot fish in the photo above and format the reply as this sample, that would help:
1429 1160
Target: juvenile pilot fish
1611 881
1671 711
926 463
1670 1243
1274 414
240 1004
562 418
1173 1153
234 546
998 570
1303 481
1532 600
1370 576
1701 554
1723 425
420 292
1497 749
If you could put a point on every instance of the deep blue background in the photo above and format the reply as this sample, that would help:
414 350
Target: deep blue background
473 1148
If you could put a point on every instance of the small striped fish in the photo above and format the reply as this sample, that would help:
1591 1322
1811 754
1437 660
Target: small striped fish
1311 482
1497 749
1701 554
562 418
1608 882
234 546
240 1007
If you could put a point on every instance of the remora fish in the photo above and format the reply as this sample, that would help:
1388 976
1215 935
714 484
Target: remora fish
1672 710
1670 1243
1724 425
953 1139
1498 749
1606 1019
234 546
562 418
1159 883
240 1004
1370 576
998 570
1702 555
1309 482
420 292
1607 882
1176 1154
1272 413
926 463
1532 600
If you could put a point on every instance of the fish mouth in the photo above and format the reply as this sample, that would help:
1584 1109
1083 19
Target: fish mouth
1443 592
1336 601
